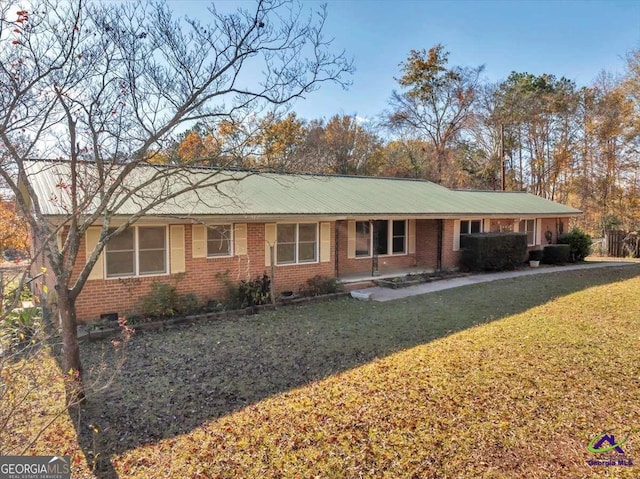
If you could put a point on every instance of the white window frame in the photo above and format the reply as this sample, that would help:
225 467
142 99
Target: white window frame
525 230
470 220
230 226
389 238
296 250
136 255
370 240
503 226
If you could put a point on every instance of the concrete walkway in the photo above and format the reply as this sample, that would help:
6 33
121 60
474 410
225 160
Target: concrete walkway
387 294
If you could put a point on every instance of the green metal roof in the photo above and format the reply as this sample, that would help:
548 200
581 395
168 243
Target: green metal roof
269 194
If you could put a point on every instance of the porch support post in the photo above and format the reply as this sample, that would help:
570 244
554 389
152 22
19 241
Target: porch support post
337 226
374 253
440 240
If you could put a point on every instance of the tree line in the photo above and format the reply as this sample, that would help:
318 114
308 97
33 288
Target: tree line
535 133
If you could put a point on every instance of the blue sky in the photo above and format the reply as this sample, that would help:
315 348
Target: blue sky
575 39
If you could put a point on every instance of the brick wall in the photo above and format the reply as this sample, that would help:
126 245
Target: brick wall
202 277
450 258
427 243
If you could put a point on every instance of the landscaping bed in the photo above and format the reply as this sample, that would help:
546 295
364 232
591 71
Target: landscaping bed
104 329
414 279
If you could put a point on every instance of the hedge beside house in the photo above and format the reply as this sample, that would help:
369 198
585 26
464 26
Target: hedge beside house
579 244
493 251
555 254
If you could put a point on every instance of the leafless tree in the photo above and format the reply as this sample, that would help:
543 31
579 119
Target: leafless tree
104 86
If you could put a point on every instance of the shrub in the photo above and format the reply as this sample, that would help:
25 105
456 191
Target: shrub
535 255
188 303
319 285
20 329
161 302
493 251
247 293
555 254
255 292
164 301
579 244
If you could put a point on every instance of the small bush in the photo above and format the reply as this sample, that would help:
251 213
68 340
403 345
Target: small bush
555 254
579 244
20 329
319 285
493 251
255 292
161 302
164 301
188 303
535 255
249 292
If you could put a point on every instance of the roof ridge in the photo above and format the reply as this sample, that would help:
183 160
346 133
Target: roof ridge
463 190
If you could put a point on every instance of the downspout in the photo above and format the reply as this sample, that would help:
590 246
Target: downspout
440 239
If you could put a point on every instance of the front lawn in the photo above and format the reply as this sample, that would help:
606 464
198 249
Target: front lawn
504 379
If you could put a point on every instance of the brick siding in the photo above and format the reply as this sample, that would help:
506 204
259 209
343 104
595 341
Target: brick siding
203 277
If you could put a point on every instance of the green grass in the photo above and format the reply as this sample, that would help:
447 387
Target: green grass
503 379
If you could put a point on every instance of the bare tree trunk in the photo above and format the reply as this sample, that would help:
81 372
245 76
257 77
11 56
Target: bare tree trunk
441 158
72 366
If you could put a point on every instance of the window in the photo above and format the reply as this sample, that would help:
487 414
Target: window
501 226
381 237
529 227
398 238
385 238
120 254
219 240
286 243
307 239
363 239
470 226
297 243
152 250
137 251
